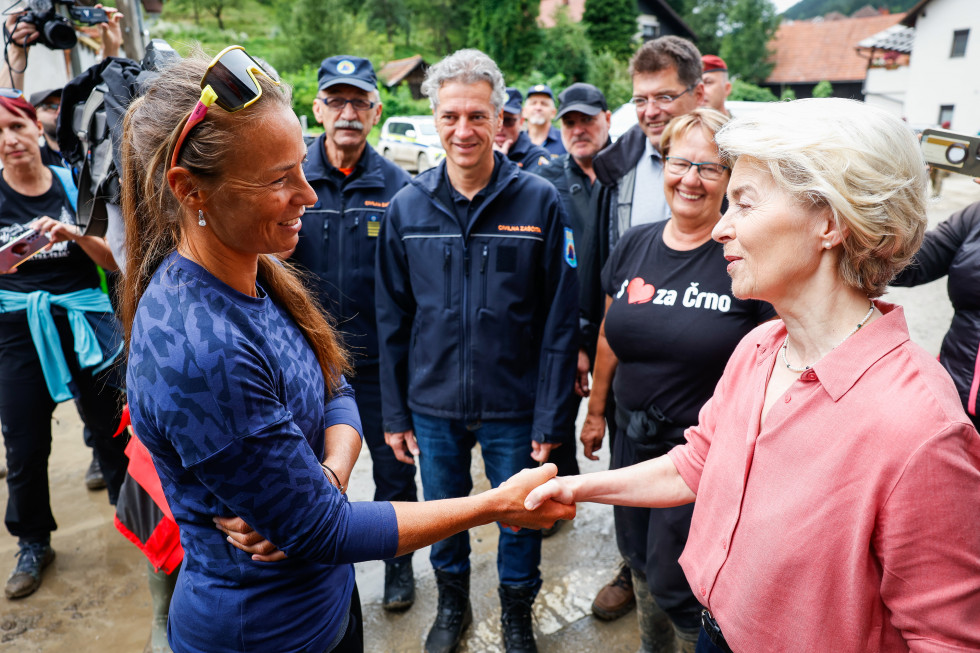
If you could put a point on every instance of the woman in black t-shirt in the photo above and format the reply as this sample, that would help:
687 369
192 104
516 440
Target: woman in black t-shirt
50 305
671 324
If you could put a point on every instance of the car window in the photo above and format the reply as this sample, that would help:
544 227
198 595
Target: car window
427 128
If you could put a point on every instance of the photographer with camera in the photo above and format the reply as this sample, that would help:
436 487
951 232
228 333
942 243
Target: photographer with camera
42 24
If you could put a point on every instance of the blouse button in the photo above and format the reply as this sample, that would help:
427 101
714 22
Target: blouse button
810 375
704 592
724 545
787 398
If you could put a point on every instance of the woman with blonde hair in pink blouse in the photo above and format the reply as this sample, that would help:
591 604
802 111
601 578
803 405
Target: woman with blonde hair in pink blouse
835 476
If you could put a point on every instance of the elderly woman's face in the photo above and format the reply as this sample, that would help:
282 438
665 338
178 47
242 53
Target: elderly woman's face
18 139
689 195
256 207
773 245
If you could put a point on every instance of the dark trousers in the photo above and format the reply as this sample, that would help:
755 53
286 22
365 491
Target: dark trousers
353 639
26 408
393 479
651 540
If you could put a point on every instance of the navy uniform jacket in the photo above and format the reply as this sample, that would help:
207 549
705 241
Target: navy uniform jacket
526 154
478 321
339 237
553 143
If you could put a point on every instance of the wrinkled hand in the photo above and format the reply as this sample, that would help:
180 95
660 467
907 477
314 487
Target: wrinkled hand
582 375
111 32
55 230
243 537
556 491
515 492
593 432
404 445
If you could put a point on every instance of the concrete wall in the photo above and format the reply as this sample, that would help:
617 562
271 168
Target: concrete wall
934 78
887 89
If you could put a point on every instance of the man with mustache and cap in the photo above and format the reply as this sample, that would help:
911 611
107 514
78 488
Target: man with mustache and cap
337 244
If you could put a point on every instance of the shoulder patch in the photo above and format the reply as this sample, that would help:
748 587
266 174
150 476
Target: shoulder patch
569 249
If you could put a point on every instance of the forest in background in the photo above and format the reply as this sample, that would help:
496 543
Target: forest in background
295 35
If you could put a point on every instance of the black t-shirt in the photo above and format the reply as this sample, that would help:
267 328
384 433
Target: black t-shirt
673 322
66 267
50 157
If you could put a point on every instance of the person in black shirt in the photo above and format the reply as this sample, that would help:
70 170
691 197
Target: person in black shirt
671 324
47 104
50 305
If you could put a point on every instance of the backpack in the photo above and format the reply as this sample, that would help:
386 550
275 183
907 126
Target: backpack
90 127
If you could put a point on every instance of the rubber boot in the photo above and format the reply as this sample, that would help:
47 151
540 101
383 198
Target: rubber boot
453 614
161 590
515 618
656 631
687 640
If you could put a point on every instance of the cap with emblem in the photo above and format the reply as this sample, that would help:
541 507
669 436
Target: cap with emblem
584 98
714 64
38 98
345 69
514 101
541 89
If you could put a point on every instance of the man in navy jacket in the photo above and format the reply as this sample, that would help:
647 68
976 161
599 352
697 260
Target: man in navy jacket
354 185
477 319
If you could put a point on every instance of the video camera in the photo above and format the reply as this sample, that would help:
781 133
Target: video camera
951 151
53 19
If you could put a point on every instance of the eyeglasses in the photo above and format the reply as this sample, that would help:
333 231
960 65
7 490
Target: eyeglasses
228 82
662 100
338 103
49 106
707 170
510 121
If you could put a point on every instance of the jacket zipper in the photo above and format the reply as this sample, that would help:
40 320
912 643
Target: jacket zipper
483 272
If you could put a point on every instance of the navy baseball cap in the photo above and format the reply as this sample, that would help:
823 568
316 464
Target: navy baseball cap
39 97
514 101
584 98
345 69
541 89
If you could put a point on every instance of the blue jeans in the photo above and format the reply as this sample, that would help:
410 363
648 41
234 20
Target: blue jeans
445 447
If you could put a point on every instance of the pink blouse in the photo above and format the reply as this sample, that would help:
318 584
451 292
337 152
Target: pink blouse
851 520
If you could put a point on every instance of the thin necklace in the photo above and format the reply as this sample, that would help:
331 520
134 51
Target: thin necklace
853 331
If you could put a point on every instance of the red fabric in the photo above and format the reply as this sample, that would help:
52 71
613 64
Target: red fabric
143 472
846 521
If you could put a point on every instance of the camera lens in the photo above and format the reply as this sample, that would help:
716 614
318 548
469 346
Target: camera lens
60 34
956 154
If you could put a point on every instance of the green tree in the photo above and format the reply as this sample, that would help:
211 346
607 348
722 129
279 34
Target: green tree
611 77
611 25
442 25
787 94
737 30
507 30
749 26
565 50
823 89
317 29
745 92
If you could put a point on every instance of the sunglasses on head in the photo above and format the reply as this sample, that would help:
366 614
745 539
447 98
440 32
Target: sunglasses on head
12 93
228 82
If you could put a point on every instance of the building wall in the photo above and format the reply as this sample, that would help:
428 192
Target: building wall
935 79
887 89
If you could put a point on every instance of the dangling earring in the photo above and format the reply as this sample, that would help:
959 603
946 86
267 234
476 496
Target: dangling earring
200 218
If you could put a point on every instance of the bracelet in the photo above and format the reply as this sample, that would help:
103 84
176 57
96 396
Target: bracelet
333 478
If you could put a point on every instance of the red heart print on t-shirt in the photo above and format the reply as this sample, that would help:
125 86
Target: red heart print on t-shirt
639 291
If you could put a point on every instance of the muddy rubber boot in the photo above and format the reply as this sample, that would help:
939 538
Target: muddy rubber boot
687 640
656 631
161 590
453 614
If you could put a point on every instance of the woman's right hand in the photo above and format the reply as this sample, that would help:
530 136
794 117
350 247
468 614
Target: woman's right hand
593 432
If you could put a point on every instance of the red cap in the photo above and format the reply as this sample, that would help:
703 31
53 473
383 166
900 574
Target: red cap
713 64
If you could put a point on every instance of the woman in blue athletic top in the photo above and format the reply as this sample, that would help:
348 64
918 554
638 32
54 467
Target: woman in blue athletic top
236 379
